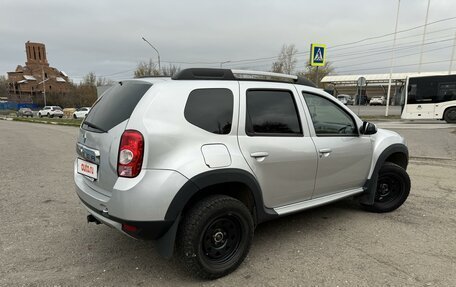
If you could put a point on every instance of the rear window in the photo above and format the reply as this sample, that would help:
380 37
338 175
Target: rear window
115 106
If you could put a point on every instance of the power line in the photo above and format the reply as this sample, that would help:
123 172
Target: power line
397 66
402 56
247 62
390 34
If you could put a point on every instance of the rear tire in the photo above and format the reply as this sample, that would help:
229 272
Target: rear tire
215 236
393 188
450 115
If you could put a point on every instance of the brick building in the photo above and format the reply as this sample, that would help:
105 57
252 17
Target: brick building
36 77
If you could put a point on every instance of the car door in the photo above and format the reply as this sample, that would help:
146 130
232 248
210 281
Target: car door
275 141
344 156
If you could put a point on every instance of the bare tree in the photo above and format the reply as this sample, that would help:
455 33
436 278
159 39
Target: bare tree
101 81
170 71
3 86
286 62
90 79
145 69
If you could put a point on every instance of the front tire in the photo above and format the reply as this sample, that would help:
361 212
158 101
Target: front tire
215 236
393 188
450 115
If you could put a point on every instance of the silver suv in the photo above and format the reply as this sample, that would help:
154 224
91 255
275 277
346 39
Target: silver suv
198 160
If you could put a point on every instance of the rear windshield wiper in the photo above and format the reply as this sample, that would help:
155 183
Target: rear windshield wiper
93 126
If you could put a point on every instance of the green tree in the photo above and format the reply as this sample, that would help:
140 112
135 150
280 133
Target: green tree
311 72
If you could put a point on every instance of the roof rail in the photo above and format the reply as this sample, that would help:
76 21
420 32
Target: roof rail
239 75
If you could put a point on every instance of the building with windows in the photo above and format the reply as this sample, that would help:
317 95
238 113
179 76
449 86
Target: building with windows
36 77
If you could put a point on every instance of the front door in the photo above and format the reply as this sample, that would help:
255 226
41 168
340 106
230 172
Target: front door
276 143
344 156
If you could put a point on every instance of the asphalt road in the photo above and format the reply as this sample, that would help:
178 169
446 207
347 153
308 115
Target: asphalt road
45 240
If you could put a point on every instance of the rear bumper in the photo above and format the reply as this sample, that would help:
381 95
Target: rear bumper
136 229
145 198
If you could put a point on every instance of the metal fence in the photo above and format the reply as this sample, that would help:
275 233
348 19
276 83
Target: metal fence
16 106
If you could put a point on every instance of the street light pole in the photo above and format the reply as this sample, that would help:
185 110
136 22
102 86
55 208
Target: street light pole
159 67
226 62
424 36
44 86
392 60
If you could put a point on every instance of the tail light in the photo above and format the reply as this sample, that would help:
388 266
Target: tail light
131 152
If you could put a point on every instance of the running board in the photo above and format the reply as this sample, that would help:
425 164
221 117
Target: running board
295 207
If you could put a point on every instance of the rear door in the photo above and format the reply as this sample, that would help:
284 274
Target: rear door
421 97
344 156
275 141
100 133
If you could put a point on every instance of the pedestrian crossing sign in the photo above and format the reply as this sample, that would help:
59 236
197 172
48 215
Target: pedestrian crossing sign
317 55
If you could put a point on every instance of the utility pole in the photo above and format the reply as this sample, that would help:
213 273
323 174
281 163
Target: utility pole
424 36
452 55
159 67
392 59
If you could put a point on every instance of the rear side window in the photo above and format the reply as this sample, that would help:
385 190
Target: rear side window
272 113
210 110
115 106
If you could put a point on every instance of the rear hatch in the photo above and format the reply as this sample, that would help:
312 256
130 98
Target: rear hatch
100 133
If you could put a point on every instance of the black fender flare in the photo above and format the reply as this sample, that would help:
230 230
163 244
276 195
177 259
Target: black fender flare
370 187
165 244
220 176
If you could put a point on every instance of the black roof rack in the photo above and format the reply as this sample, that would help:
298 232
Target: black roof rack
243 75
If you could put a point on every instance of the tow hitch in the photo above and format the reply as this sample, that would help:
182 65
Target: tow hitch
91 218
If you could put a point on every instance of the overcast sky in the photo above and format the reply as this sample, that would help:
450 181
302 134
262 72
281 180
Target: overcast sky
104 36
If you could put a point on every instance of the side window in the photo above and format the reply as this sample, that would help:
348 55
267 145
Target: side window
272 113
447 92
328 118
210 110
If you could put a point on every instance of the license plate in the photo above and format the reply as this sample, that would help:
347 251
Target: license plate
87 168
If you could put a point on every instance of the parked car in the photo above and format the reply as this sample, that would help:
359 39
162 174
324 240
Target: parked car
377 101
197 161
24 112
81 113
345 99
50 112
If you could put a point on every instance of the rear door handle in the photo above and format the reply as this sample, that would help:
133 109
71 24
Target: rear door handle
259 154
325 152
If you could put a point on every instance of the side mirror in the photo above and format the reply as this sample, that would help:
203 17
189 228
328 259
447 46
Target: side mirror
368 129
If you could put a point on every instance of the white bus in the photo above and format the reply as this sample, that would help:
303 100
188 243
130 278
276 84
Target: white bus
429 97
